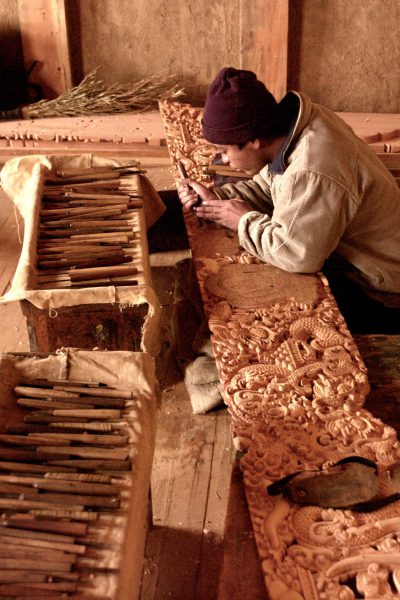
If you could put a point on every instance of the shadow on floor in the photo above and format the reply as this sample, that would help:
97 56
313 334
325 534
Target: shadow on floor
189 569
169 232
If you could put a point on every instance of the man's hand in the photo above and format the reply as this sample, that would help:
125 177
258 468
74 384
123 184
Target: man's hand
191 192
223 212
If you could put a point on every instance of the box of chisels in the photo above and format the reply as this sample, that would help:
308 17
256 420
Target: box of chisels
77 433
84 276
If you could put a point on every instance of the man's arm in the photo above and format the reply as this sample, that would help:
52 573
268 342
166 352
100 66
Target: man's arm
307 224
225 205
224 212
255 192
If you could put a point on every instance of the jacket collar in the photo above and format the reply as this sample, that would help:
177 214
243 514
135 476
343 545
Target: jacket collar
298 109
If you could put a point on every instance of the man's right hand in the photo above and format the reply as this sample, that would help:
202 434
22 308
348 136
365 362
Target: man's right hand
189 196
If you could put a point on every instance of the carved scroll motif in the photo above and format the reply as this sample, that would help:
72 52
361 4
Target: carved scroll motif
295 384
183 132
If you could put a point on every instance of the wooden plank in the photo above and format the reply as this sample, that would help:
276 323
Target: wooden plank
14 337
391 160
135 137
181 473
241 576
158 155
191 473
127 128
373 127
264 46
45 39
213 548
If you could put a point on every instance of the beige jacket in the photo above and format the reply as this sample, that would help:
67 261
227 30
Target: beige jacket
332 194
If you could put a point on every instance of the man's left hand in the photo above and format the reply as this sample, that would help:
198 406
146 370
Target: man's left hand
223 212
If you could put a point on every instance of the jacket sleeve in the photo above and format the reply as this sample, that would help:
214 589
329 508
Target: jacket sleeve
255 192
306 226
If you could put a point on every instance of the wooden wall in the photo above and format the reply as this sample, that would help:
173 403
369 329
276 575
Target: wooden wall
194 38
344 54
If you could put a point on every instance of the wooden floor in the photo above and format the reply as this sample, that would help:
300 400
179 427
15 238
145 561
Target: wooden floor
197 491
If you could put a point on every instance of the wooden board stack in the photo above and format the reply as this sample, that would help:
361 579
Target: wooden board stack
131 135
89 229
295 385
135 137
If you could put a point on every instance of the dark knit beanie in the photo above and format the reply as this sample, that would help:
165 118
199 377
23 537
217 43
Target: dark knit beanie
238 108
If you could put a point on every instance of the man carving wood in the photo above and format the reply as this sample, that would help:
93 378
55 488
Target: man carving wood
315 190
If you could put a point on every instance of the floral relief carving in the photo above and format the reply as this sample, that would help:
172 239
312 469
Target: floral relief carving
295 384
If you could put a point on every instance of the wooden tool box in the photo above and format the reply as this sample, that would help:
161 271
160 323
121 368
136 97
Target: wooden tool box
100 326
84 264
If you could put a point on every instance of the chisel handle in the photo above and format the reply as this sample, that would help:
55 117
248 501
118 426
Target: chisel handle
183 174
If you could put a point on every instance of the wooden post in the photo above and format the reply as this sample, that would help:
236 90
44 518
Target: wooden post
44 39
265 48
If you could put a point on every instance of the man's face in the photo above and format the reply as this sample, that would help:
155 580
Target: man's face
250 158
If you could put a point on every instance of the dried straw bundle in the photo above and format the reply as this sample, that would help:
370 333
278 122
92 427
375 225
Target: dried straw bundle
93 96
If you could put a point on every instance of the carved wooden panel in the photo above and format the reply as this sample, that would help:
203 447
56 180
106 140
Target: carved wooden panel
295 385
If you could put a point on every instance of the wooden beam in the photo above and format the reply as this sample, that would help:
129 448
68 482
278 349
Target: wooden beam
264 49
45 39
